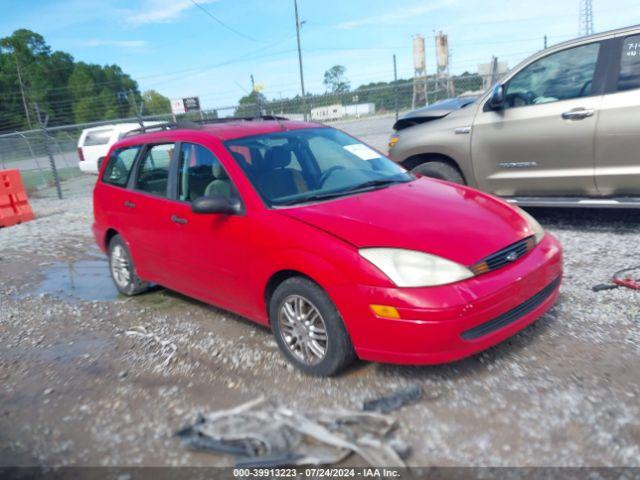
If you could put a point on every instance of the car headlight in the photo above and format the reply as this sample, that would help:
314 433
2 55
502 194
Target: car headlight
408 268
534 226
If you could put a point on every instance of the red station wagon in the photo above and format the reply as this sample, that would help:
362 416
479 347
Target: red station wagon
304 229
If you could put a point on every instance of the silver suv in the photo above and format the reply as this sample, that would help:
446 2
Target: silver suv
561 129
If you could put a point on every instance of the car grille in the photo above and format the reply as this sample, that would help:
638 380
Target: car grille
512 315
505 256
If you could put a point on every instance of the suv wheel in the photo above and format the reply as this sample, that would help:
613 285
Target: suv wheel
309 329
122 270
441 171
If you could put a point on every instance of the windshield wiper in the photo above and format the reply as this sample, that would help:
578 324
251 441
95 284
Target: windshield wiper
381 182
316 197
372 184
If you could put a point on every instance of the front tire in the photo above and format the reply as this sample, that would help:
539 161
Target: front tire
123 272
309 329
441 171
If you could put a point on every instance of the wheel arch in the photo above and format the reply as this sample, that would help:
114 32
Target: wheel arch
108 235
418 159
276 279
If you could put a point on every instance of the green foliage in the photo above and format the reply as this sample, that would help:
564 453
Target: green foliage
251 105
155 104
68 91
335 80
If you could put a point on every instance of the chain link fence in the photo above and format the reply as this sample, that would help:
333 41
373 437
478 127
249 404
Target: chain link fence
34 151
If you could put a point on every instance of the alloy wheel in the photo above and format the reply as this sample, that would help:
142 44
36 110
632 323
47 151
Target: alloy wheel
303 329
120 266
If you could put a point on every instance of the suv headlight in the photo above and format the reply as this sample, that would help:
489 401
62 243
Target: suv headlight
408 268
395 138
534 226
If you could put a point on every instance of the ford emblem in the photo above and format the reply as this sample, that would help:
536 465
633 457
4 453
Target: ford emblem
512 257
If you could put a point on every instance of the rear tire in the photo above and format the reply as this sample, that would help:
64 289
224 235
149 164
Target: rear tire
313 337
122 269
441 171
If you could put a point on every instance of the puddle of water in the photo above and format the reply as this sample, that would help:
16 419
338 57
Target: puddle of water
86 280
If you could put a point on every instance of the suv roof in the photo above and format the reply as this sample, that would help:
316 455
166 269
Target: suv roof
585 39
225 128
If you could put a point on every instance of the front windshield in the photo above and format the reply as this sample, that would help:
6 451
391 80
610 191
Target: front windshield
315 164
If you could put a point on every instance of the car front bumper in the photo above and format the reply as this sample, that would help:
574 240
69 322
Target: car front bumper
451 322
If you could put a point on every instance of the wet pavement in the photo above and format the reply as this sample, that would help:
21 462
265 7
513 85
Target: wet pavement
81 280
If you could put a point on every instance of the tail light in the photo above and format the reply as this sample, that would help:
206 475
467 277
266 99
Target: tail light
80 154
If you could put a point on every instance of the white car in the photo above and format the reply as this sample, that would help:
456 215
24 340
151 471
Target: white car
94 143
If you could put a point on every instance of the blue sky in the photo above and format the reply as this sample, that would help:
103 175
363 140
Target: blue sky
174 47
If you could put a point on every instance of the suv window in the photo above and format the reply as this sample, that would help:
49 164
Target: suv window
153 172
201 174
97 137
560 76
119 166
630 64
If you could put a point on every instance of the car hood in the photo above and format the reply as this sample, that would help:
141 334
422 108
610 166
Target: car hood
454 222
433 112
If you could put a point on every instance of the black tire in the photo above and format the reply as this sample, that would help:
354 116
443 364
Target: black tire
339 352
441 171
120 259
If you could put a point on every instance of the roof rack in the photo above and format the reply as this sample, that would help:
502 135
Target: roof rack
199 123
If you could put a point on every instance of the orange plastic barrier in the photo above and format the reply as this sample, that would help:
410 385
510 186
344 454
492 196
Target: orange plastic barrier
14 204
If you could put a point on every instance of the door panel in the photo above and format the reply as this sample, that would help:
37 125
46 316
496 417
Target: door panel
618 133
541 143
211 250
150 230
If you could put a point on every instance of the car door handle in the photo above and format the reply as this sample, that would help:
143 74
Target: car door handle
177 219
129 204
578 114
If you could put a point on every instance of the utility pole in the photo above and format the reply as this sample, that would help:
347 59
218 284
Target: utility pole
24 100
586 18
395 85
304 101
545 42
253 84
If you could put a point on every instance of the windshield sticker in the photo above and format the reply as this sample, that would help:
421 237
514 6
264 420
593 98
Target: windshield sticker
362 151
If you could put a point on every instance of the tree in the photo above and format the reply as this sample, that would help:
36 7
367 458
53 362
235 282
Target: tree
251 105
155 103
66 90
335 80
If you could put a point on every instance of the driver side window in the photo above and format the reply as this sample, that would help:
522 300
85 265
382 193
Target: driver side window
560 76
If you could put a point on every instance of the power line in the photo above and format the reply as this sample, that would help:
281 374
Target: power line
228 27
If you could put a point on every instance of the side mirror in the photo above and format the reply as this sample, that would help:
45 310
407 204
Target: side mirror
216 204
497 98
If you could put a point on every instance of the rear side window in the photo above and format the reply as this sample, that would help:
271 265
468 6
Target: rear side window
97 137
119 166
629 78
153 173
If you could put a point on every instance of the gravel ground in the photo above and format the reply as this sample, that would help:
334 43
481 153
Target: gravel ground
76 390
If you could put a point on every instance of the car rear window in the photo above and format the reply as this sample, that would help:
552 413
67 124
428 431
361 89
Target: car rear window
119 166
629 78
97 137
